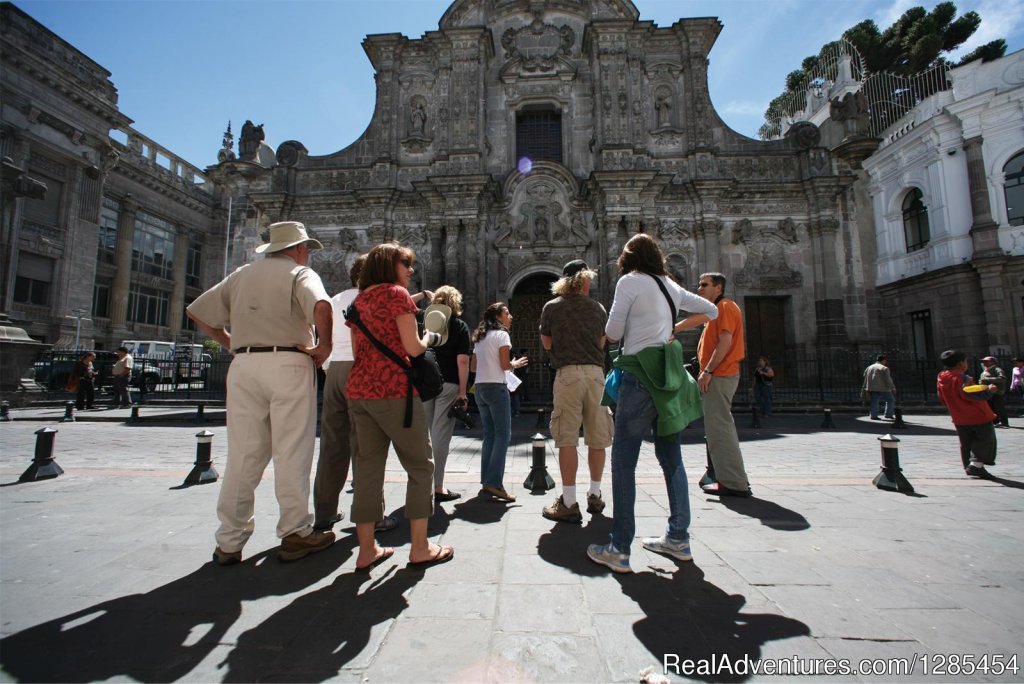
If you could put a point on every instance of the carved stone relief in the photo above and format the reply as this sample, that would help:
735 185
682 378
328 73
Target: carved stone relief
765 267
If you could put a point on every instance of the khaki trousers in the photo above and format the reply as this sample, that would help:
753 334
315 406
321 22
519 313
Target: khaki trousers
337 443
720 429
378 424
441 427
271 414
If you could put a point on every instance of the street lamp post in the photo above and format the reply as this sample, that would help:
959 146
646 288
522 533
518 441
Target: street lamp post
78 325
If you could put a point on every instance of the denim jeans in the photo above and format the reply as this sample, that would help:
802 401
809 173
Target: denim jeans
879 398
492 398
635 418
763 396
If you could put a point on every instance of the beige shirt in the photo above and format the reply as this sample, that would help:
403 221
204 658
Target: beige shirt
266 303
123 367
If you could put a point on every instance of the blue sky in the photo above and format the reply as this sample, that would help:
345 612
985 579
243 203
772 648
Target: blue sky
184 68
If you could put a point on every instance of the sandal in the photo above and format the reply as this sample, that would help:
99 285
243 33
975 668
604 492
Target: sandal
385 553
443 555
386 524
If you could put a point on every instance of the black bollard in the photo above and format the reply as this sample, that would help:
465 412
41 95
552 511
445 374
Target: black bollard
5 412
43 466
134 418
709 474
538 481
755 417
898 423
891 477
69 413
540 419
200 412
827 423
203 471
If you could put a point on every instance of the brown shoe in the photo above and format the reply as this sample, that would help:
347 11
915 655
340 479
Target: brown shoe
559 512
226 557
294 547
595 504
497 493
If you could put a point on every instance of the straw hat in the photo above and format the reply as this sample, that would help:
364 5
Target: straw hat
287 234
435 320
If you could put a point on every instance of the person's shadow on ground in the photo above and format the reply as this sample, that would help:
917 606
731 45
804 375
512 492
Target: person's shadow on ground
315 636
481 509
769 513
163 634
1013 484
685 615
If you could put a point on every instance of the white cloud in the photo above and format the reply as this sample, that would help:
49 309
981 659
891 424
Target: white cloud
999 19
887 16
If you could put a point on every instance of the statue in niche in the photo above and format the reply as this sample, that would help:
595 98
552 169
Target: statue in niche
559 231
250 139
418 119
663 105
852 111
540 224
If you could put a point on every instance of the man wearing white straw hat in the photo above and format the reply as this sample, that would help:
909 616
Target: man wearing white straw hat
270 307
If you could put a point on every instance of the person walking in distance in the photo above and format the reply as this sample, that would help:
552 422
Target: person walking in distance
120 376
764 382
572 331
970 414
880 387
271 307
720 351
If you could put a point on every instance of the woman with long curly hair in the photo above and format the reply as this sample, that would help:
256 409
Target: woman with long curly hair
491 359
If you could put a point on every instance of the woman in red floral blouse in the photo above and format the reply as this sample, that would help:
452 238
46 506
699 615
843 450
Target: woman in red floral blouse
376 393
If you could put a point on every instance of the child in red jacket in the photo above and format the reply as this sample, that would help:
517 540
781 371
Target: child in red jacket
970 412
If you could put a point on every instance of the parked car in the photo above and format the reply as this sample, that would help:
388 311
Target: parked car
53 368
168 362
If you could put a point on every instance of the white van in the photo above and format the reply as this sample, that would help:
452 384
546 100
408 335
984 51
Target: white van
167 362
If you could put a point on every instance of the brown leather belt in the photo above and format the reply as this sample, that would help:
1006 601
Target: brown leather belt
259 350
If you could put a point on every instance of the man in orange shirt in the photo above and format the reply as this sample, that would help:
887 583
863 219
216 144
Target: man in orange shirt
720 351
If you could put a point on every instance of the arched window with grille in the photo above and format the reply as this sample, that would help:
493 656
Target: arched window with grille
915 221
539 134
1013 187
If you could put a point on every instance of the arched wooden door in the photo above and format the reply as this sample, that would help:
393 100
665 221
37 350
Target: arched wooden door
526 303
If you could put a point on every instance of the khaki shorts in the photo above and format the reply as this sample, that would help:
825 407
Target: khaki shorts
577 401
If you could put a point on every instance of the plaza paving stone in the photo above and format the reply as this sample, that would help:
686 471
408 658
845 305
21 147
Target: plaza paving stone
105 571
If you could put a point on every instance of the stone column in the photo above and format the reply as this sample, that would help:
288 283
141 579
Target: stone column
984 231
471 287
709 245
434 232
829 311
123 262
177 308
451 253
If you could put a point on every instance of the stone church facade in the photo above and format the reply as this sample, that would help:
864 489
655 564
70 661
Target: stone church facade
525 133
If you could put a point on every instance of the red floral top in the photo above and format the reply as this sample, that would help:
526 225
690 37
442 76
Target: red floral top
375 376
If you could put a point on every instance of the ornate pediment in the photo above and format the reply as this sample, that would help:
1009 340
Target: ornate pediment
765 267
537 47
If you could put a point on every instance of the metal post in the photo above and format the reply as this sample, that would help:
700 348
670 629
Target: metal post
203 471
540 419
5 411
891 476
709 474
898 423
134 418
827 423
538 481
43 466
69 412
201 412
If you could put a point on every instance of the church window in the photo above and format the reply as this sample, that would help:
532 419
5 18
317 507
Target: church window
539 135
153 246
148 305
33 278
1013 188
915 221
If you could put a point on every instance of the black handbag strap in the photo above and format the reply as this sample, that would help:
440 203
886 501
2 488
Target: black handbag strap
352 314
668 298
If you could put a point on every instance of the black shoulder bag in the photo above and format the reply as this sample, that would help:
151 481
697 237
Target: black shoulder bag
423 372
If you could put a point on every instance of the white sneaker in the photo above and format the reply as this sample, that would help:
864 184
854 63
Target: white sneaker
609 557
668 547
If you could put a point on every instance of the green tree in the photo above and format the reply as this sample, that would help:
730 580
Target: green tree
916 41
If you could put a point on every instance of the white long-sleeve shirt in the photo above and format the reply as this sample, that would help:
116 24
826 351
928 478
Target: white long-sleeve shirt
640 312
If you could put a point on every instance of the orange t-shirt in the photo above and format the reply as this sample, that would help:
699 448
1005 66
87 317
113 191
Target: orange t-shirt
729 320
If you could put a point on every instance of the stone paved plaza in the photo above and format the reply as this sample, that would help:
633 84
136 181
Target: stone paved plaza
105 572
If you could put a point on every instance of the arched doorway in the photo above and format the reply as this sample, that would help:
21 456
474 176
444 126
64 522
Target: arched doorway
525 303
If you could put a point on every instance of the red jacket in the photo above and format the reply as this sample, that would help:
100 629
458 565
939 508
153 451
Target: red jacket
964 408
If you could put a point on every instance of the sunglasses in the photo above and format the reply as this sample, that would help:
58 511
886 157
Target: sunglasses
702 285
406 262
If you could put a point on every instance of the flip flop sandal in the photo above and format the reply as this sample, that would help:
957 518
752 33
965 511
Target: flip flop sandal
443 555
385 553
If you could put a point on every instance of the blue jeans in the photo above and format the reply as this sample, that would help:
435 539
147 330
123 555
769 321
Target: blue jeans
492 398
763 397
882 397
635 418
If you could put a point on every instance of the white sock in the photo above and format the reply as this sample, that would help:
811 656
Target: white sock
569 496
595 489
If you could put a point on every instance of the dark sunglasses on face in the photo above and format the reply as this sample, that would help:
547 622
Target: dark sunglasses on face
406 262
701 285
